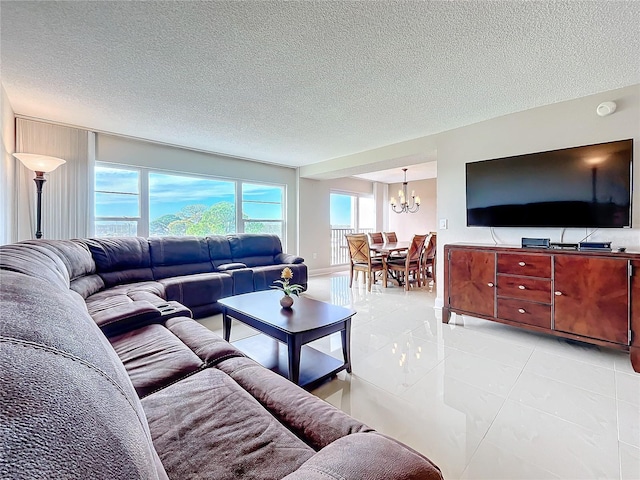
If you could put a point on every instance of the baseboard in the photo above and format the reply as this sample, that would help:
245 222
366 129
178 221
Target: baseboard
315 272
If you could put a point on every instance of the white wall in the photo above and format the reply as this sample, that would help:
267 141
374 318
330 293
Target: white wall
560 125
7 171
406 225
126 151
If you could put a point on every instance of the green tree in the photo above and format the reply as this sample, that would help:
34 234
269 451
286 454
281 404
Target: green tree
160 226
219 218
192 213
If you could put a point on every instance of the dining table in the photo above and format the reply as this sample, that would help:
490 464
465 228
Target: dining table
387 249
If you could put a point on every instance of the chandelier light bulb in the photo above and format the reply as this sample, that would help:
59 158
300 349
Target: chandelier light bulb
403 196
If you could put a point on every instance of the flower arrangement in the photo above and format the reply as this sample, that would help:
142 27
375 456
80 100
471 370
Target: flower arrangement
287 288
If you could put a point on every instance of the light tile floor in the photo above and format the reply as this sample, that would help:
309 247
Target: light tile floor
481 399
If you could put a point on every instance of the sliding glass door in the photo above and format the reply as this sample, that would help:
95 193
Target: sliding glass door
349 213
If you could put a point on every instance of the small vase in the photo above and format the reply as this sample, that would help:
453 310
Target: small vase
286 301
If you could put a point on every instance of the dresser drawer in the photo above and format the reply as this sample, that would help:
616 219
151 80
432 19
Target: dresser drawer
525 312
525 264
524 288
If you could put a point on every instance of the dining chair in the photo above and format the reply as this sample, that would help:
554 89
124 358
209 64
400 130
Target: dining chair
411 264
428 259
376 237
362 261
390 237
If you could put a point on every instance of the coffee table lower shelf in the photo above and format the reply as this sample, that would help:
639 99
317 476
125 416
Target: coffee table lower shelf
315 366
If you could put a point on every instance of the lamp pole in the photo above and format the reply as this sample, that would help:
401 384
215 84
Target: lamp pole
40 164
39 183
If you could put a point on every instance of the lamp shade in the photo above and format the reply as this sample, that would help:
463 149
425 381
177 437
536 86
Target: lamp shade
39 163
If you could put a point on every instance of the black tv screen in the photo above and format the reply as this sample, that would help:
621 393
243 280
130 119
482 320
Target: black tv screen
588 186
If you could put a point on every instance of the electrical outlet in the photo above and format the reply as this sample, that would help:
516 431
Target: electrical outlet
315 255
443 224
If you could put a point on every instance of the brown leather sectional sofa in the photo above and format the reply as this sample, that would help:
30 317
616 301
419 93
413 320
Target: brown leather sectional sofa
125 385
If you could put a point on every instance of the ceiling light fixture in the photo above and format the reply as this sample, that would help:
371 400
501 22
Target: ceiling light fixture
405 206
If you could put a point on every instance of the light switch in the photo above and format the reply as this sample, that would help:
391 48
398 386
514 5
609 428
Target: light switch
443 224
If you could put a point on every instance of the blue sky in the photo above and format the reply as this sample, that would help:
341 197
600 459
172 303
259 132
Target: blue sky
340 210
170 193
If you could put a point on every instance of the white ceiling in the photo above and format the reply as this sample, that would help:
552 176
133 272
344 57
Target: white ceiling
300 82
420 171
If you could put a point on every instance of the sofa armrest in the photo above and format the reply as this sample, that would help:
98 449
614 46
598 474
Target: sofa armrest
288 258
231 266
126 316
367 455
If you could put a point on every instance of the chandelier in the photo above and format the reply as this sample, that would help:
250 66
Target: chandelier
406 205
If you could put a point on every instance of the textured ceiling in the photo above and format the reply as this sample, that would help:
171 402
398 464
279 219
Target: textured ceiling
296 83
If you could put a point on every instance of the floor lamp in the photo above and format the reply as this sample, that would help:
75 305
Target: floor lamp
40 164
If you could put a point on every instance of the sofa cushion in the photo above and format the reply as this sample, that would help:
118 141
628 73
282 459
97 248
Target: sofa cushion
175 256
121 260
119 313
35 260
208 346
254 249
241 440
288 403
154 358
219 250
69 409
198 289
362 455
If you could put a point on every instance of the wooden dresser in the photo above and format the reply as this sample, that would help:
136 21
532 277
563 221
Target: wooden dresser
593 297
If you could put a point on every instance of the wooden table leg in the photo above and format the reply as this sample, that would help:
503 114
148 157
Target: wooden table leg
294 345
226 325
346 344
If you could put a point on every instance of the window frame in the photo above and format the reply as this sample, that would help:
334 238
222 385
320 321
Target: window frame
140 217
144 220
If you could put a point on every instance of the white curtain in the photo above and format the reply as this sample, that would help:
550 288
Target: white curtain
67 195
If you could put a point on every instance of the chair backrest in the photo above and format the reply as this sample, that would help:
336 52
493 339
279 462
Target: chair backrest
390 237
430 249
358 248
415 250
376 237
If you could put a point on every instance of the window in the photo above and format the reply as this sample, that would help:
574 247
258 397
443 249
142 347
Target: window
186 205
263 209
349 213
138 201
117 202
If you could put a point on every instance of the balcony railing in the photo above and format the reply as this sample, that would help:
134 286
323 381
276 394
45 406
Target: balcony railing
339 247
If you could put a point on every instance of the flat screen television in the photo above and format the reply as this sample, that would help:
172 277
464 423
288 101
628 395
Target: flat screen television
588 186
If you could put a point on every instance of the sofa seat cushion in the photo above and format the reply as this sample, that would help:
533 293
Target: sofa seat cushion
154 358
263 277
241 440
362 455
290 404
208 346
198 289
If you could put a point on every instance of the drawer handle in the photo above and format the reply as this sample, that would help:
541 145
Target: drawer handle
521 310
558 293
521 287
489 284
522 264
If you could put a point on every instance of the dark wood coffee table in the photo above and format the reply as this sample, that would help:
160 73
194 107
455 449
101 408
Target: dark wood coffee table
306 321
